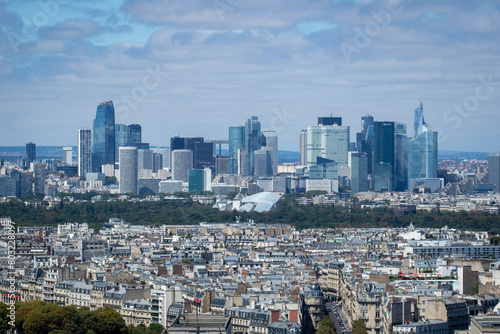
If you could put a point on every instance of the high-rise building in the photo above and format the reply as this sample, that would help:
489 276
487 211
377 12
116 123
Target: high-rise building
26 184
271 145
182 161
253 141
203 155
329 121
39 175
122 138
263 163
383 156
165 156
145 159
196 180
364 139
30 153
128 170
103 146
84 152
203 152
359 172
329 142
494 170
418 120
422 150
400 181
236 142
157 162
68 155
303 147
135 134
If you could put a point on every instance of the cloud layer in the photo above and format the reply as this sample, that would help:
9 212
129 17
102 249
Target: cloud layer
195 67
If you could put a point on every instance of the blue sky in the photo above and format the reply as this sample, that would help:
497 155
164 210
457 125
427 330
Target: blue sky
194 67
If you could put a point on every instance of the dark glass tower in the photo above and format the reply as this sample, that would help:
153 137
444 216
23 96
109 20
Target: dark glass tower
383 155
31 152
135 133
103 146
236 142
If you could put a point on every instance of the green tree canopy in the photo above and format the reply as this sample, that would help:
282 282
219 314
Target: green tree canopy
359 327
326 326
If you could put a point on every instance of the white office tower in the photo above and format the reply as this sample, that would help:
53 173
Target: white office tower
329 142
128 170
84 152
182 161
68 155
207 179
272 146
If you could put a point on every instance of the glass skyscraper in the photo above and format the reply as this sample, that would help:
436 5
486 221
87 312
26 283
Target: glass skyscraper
253 142
418 120
422 150
236 142
383 155
31 153
103 146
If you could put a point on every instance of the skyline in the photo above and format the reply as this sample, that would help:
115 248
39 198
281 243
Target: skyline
203 67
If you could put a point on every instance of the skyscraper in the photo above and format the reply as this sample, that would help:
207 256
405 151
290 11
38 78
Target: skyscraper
182 161
400 181
84 152
145 159
165 154
103 146
253 141
263 164
383 156
418 120
203 155
30 153
494 170
303 147
422 150
329 142
128 170
236 142
364 139
359 172
135 134
68 155
271 145
122 138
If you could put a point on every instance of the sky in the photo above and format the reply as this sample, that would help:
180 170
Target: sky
195 67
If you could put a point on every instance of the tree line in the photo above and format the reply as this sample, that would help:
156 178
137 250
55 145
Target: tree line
186 211
38 317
